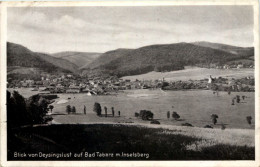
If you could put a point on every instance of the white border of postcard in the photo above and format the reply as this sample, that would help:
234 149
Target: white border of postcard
3 28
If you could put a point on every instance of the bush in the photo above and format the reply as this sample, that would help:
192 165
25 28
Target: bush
154 122
146 114
175 115
136 114
223 127
186 124
97 109
208 126
214 118
249 120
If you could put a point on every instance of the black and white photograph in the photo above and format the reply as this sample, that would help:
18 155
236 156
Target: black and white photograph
150 82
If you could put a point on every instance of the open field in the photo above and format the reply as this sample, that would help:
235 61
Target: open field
27 92
193 73
194 107
126 142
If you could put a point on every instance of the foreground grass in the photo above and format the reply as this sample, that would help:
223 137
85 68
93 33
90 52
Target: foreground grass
115 139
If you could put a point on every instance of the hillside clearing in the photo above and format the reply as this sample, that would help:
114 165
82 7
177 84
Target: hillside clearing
193 73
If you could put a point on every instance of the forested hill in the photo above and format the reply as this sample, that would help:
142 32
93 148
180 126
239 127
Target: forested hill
18 55
108 57
81 59
243 51
166 57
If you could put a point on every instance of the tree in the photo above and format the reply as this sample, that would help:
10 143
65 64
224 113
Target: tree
37 106
105 108
249 120
97 108
214 118
113 111
21 111
168 114
51 107
68 109
73 109
175 115
43 106
238 99
233 102
16 110
84 109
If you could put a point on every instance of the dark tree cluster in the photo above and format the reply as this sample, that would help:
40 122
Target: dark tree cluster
21 111
146 114
70 109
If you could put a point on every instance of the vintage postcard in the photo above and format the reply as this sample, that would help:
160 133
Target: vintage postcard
130 83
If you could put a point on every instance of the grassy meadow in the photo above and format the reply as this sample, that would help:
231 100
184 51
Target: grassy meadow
193 73
119 142
194 107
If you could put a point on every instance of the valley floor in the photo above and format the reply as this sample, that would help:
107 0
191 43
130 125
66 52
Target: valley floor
193 106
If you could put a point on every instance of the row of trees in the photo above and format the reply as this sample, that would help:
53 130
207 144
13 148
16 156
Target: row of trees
70 109
148 115
98 110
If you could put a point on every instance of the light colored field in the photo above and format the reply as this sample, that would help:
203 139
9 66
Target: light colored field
193 73
27 92
238 137
194 107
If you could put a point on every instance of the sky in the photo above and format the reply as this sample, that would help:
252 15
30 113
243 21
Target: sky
100 29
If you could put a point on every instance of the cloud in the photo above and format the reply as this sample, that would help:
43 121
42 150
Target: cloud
70 21
99 29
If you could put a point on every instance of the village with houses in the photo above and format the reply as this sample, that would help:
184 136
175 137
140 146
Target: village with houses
71 83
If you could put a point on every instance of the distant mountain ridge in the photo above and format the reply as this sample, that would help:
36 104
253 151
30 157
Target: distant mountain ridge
18 55
123 62
165 57
81 59
226 48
